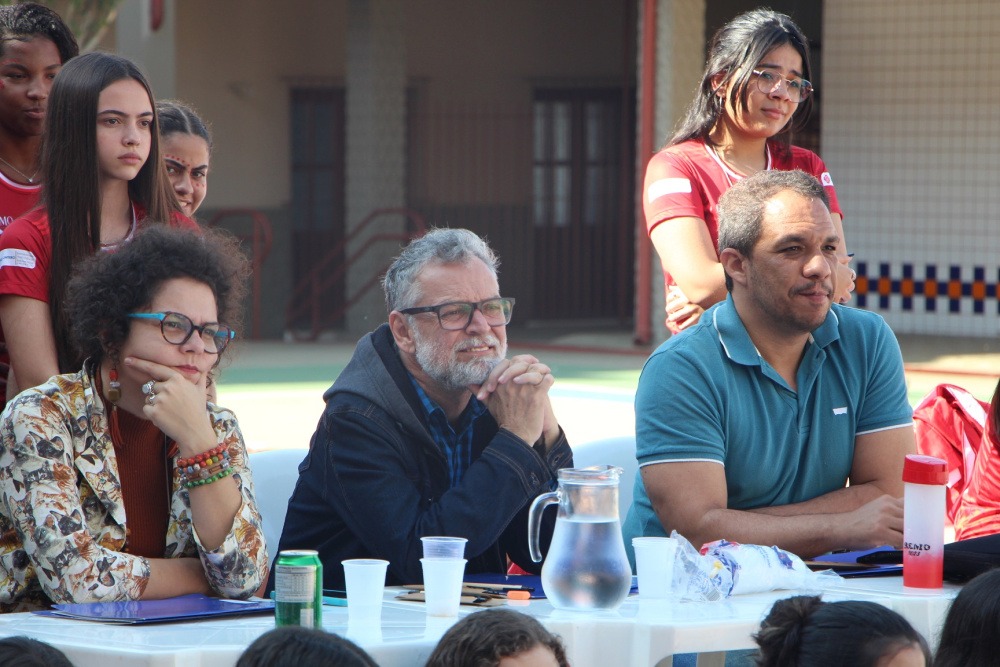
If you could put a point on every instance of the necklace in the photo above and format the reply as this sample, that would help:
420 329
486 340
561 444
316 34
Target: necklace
731 174
30 179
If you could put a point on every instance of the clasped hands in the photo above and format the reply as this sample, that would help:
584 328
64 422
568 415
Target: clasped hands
516 394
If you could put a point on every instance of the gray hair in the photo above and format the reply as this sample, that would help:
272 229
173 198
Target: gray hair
442 246
741 208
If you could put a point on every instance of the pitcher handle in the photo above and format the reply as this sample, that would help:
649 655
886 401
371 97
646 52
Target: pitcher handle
535 520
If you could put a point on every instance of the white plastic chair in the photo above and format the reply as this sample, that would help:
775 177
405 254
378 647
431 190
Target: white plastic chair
274 475
619 451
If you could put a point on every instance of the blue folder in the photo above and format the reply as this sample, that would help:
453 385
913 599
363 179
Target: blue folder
135 612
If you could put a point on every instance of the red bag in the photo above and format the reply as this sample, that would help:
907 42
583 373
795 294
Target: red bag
950 424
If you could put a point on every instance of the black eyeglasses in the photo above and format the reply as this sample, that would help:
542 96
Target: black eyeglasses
456 315
796 89
177 329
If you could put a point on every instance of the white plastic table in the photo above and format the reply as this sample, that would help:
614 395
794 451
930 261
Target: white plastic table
639 633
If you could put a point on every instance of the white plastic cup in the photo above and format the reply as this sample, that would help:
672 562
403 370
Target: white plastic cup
654 565
444 547
364 579
442 585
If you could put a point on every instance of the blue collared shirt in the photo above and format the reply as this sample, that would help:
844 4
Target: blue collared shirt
708 395
455 442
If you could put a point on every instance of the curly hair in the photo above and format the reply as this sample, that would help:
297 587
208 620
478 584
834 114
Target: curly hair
804 630
484 638
105 288
30 19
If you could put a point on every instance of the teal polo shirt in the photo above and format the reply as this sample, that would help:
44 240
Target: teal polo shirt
707 395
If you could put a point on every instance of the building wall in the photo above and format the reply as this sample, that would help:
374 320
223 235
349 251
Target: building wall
238 59
911 135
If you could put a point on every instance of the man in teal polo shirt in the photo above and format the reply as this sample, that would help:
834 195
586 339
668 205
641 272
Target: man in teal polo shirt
750 424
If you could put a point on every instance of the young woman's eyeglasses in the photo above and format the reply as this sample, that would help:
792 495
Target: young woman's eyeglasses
456 315
177 329
768 81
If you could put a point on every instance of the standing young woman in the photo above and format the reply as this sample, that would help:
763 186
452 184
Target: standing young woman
104 177
117 481
34 45
754 91
187 148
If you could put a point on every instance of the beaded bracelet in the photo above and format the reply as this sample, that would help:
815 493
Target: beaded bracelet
200 458
208 480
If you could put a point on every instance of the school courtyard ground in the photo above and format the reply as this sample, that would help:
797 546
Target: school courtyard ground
276 389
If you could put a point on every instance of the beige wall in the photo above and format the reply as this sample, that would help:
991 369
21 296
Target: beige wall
236 60
911 134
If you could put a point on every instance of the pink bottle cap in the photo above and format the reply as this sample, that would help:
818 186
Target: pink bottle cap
920 469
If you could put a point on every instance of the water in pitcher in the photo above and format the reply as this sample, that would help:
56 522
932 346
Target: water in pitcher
586 567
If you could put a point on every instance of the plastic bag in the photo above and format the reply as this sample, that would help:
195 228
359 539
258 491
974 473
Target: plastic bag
724 568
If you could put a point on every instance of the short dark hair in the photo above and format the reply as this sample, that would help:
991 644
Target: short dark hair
109 286
741 207
292 646
735 50
483 638
29 19
28 652
179 118
805 631
971 633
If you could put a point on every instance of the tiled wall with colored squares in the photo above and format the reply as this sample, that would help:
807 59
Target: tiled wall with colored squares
911 135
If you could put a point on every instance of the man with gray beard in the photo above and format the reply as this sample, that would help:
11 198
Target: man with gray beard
431 429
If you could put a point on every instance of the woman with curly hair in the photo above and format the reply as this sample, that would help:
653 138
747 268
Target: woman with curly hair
117 481
498 638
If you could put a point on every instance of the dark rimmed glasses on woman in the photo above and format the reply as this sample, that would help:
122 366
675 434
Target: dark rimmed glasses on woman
796 89
456 315
177 329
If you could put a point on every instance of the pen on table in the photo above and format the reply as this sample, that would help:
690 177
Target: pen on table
327 600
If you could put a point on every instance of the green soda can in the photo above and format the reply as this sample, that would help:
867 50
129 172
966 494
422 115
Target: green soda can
298 589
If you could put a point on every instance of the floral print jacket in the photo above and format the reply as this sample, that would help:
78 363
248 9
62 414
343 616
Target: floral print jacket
62 517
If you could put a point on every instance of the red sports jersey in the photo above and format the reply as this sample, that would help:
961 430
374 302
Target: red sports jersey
25 255
687 180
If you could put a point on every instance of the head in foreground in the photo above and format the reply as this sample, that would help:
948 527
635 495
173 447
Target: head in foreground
804 631
27 652
303 647
498 638
971 633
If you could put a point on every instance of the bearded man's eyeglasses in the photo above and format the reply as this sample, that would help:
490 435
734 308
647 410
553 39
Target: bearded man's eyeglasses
456 315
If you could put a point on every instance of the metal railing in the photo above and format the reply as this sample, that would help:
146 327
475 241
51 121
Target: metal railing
259 237
307 297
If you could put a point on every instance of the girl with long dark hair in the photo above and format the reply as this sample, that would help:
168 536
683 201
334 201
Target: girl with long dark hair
104 177
754 92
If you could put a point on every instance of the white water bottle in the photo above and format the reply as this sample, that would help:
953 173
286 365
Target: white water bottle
924 479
